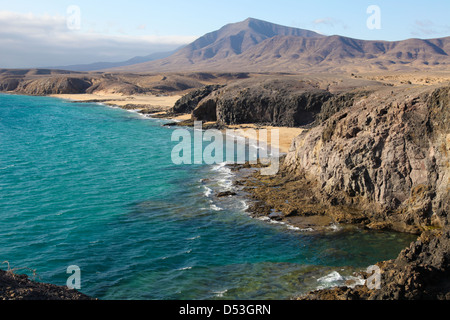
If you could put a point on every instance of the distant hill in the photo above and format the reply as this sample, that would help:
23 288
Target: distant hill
258 46
106 65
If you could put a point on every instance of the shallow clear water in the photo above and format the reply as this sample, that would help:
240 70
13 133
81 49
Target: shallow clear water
93 186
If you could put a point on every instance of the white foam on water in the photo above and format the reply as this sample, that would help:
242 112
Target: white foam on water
185 268
216 208
335 279
335 227
245 205
332 277
208 191
219 294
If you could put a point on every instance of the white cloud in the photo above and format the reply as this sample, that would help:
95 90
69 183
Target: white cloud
28 40
427 28
330 22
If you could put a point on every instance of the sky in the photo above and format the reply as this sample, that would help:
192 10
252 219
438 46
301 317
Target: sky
59 32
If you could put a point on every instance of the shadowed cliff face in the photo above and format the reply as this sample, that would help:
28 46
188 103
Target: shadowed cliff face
386 158
280 102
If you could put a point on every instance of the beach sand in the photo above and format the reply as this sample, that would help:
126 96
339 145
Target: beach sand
164 102
161 104
286 135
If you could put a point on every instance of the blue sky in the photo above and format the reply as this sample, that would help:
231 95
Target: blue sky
160 25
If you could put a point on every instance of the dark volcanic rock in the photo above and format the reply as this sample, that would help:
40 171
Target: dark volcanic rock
280 102
19 287
190 101
386 157
226 194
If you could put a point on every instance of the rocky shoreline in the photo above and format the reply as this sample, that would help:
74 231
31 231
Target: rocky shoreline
376 159
19 287
372 155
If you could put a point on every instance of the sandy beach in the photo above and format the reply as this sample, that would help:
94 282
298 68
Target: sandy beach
286 135
162 101
161 104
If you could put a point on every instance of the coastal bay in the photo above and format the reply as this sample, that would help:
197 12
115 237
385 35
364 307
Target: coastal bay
156 235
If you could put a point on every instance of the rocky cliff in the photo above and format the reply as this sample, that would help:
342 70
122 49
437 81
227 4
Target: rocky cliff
190 101
378 159
385 159
54 85
280 102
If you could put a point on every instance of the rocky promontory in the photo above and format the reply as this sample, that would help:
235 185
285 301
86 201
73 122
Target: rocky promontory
20 287
378 160
385 160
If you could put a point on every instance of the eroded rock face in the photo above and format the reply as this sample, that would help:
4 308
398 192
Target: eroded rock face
54 85
386 157
280 102
9 84
190 101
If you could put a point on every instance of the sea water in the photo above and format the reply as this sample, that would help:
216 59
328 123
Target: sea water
95 187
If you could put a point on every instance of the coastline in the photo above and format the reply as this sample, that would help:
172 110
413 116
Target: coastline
247 179
137 107
159 105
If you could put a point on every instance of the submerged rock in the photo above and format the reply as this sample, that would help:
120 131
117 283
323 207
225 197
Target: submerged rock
226 194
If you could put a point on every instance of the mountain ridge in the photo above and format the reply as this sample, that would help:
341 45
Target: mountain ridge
259 46
104 65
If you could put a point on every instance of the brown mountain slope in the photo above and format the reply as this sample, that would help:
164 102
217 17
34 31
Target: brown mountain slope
258 46
227 42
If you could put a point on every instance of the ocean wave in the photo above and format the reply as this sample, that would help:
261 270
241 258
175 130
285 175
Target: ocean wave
10 166
208 191
219 294
185 268
285 224
335 279
216 208
335 227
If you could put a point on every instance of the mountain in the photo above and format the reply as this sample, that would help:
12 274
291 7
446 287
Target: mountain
230 41
259 46
106 65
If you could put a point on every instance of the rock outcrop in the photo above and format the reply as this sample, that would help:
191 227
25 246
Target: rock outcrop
421 271
279 102
385 158
9 84
20 287
54 85
190 101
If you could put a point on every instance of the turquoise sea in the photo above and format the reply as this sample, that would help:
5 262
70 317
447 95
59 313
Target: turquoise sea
94 186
